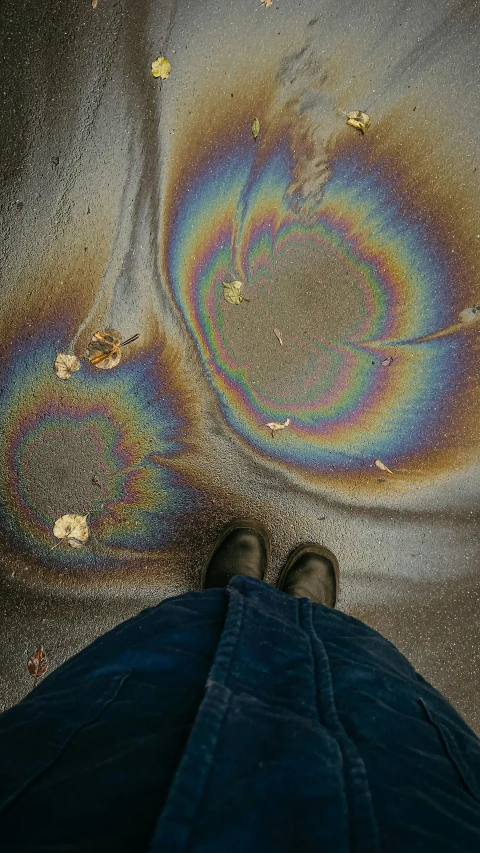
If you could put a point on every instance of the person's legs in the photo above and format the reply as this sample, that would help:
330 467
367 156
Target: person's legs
240 717
88 757
421 759
101 737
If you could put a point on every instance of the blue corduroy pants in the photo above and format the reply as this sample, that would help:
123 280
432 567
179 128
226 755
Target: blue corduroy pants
238 720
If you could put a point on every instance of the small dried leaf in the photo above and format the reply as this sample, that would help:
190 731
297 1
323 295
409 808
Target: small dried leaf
470 315
359 120
161 68
274 426
65 365
231 292
387 361
255 127
104 349
73 528
278 337
104 341
37 664
266 3
379 464
94 4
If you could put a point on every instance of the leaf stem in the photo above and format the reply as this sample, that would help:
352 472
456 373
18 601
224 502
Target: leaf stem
129 341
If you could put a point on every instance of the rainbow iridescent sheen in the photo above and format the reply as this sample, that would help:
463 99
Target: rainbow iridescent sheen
124 420
233 218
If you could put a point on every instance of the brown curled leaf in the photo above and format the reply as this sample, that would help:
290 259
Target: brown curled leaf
104 349
37 663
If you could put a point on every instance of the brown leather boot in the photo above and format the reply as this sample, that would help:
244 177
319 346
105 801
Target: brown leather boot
243 548
311 571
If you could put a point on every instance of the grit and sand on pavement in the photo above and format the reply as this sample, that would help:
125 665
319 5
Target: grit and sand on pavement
128 200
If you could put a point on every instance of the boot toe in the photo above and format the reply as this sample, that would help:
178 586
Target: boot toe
243 548
311 571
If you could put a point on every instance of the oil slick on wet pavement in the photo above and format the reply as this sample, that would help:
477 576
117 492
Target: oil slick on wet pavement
359 248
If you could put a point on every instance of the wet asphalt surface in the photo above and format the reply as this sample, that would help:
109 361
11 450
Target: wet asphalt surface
126 201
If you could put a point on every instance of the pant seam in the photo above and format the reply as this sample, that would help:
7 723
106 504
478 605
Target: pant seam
355 774
215 688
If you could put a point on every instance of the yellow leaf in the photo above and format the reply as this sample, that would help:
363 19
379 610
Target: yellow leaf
379 464
104 349
231 292
359 120
255 127
65 365
73 528
273 425
161 68
266 3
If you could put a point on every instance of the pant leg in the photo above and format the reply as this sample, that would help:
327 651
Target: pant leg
87 758
422 759
315 733
238 719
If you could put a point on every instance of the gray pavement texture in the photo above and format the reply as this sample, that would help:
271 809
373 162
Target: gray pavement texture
128 200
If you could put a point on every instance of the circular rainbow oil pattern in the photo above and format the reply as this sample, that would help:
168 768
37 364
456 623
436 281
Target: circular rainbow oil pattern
365 274
100 444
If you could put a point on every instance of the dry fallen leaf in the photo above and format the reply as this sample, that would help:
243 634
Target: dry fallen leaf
73 528
278 337
104 349
231 292
387 361
161 68
37 664
469 315
379 464
266 3
65 365
255 127
274 426
94 4
359 120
